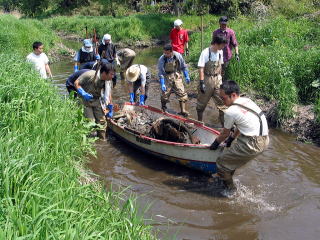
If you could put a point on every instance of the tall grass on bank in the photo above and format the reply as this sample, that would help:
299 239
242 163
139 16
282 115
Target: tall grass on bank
42 140
17 36
126 29
280 59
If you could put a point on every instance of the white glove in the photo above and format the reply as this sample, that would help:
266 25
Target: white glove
118 62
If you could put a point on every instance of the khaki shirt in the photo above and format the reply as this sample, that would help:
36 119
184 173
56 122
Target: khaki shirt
91 84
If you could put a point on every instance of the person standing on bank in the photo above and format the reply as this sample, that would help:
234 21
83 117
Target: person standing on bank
40 60
251 133
231 43
86 56
92 86
126 57
170 65
138 77
179 38
209 64
108 54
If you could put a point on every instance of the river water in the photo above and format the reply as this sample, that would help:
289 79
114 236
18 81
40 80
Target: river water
278 194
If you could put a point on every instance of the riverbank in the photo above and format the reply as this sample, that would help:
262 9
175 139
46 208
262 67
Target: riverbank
45 189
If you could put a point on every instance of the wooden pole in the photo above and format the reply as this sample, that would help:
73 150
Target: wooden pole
201 32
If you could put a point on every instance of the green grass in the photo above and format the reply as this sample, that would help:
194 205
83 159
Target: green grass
126 29
280 59
43 190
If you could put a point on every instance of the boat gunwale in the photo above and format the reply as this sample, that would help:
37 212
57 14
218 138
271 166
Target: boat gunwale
153 109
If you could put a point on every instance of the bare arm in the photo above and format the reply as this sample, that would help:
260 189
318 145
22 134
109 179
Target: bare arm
77 84
201 74
223 135
237 50
130 85
48 70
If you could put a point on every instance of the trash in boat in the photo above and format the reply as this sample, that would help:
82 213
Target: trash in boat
164 128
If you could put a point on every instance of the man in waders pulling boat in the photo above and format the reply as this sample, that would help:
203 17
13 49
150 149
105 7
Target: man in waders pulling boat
86 56
126 57
250 135
94 86
170 65
138 77
209 64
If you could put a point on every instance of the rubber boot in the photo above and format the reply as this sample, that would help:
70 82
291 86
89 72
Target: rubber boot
226 177
122 76
200 116
164 106
101 134
221 118
183 109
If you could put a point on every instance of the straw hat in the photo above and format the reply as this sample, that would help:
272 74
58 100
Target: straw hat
132 73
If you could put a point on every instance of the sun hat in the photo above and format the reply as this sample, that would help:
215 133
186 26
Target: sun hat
133 73
87 43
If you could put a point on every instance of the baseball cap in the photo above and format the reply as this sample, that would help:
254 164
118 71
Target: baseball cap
223 20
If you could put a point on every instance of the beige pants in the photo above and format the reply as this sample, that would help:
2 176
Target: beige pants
93 111
242 150
175 85
212 85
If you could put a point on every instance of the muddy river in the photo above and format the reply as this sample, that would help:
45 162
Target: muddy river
278 193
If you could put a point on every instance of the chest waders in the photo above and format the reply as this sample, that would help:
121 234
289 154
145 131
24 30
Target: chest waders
175 84
212 81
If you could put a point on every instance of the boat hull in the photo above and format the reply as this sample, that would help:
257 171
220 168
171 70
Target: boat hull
195 156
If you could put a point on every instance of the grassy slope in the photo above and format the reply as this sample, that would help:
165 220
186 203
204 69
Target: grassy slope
42 140
279 59
131 28
279 56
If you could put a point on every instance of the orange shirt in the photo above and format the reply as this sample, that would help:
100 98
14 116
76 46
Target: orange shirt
178 39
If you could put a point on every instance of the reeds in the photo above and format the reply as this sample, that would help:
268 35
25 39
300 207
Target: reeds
42 149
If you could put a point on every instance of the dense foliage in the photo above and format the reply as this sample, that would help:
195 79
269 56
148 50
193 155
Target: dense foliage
44 191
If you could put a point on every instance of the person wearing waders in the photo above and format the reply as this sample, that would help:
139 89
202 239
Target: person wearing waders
170 65
138 77
94 86
250 136
209 64
85 57
126 57
231 43
71 79
108 54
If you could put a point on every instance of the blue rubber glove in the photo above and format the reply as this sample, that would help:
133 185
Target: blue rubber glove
186 76
142 97
131 97
76 68
163 86
98 57
110 113
86 96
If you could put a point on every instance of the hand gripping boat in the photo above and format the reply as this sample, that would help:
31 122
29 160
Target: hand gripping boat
196 156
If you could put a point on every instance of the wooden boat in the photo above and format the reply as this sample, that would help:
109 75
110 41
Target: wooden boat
196 156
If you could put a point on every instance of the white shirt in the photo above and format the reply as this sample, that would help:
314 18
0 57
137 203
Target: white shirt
246 121
204 57
143 73
39 62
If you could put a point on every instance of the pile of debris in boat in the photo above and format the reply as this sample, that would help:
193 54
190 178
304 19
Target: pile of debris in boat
163 128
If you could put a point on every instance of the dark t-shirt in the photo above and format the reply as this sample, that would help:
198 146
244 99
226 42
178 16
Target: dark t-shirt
107 51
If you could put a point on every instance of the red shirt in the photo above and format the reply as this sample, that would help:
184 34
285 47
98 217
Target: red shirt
178 39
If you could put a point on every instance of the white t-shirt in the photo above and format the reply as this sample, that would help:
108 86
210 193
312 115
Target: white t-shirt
204 57
143 73
39 62
246 121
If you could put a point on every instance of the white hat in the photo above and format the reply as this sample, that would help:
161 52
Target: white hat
133 73
87 43
106 37
177 23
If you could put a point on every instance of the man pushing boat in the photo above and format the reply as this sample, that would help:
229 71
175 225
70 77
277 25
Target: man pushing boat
250 135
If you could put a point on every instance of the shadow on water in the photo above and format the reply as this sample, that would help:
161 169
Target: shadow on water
184 178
